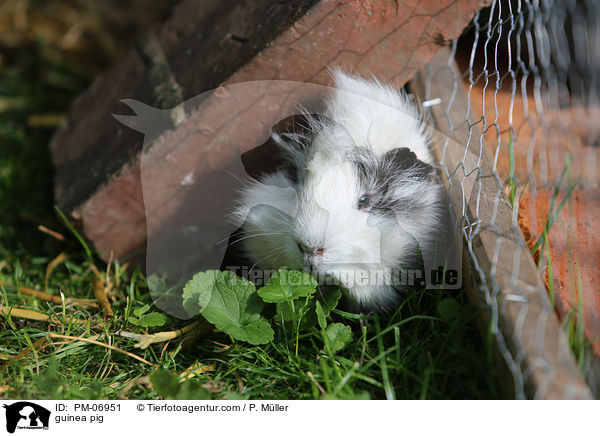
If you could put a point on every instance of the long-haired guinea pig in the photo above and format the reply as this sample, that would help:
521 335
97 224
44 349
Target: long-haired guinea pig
362 203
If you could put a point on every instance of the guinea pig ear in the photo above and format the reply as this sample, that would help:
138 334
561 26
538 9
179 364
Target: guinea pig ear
402 160
293 152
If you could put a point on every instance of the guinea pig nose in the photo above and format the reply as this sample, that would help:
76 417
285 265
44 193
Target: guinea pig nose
310 251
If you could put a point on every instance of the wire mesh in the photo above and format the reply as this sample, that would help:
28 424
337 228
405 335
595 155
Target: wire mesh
530 73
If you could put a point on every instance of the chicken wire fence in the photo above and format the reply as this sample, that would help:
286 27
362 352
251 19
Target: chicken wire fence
521 87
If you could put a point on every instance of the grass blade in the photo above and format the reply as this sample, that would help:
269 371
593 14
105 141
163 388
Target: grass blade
85 246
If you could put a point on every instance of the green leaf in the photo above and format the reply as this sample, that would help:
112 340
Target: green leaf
449 309
287 285
155 283
329 299
153 319
141 310
230 303
337 336
320 315
192 390
165 383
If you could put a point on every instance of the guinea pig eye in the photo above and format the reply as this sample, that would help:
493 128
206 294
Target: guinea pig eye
364 202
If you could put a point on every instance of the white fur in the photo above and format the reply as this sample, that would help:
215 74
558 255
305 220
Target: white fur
378 115
322 211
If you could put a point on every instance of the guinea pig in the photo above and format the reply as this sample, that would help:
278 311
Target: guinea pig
359 199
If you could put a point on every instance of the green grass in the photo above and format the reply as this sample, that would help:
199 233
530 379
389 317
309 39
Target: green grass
418 353
573 322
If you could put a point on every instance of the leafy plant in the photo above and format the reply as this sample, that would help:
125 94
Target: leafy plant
233 305
337 336
285 286
143 319
230 303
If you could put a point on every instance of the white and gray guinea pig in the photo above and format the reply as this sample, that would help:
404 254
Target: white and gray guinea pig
362 203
